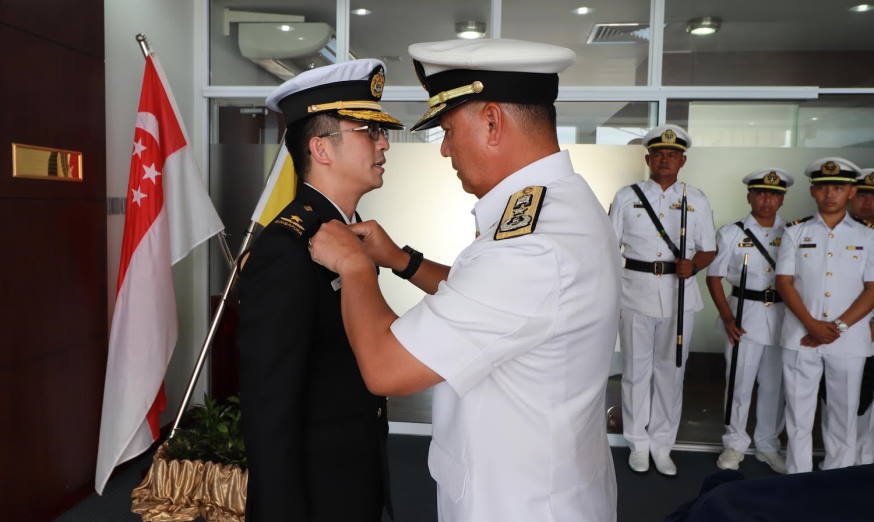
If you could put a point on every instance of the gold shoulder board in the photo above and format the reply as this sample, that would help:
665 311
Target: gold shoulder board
520 216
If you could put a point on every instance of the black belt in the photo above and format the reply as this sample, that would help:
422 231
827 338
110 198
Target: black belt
656 268
768 296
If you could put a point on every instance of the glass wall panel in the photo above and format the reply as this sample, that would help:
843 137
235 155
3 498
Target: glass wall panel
265 42
385 28
778 42
611 39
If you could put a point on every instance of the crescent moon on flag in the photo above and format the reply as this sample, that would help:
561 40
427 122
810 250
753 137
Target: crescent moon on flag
149 123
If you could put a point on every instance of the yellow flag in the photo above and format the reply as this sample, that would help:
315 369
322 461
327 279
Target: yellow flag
279 190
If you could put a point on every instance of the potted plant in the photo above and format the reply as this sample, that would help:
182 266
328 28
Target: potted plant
200 472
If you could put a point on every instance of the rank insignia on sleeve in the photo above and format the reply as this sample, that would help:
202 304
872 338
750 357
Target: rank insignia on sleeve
520 216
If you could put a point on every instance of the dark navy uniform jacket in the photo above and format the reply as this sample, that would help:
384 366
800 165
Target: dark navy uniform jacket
315 437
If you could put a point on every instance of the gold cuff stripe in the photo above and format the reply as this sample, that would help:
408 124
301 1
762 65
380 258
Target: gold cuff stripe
769 187
440 97
352 104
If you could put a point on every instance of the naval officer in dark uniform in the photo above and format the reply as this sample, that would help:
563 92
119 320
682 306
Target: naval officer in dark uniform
315 437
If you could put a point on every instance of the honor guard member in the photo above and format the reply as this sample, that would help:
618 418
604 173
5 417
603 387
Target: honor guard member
518 334
862 210
646 219
315 436
759 357
825 274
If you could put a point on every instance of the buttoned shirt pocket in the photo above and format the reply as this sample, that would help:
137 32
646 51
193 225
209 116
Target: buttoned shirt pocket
449 472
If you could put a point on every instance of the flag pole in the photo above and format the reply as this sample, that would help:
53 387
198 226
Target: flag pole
144 45
213 327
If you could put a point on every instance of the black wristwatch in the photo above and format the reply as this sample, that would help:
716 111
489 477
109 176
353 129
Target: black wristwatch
412 266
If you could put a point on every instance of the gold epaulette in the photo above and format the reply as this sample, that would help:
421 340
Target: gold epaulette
797 221
520 216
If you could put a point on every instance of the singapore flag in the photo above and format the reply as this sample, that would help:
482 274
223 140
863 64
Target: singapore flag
168 214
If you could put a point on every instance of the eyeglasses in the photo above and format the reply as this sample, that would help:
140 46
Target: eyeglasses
374 131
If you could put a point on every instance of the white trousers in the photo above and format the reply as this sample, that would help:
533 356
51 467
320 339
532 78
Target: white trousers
652 385
802 370
762 364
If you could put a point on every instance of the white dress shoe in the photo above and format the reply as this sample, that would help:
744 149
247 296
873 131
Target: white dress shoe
773 459
664 464
729 459
638 461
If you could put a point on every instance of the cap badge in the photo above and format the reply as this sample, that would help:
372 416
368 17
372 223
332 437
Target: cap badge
377 82
830 168
669 136
869 179
771 178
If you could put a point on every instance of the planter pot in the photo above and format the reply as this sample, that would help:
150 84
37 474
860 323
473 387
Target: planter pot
182 490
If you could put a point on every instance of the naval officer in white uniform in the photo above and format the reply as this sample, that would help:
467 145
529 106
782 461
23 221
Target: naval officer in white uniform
759 357
518 334
825 274
652 385
862 210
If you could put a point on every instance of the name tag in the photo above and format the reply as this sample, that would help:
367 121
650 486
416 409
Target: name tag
807 245
747 244
639 205
855 247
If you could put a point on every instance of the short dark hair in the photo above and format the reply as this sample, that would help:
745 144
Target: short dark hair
533 115
298 135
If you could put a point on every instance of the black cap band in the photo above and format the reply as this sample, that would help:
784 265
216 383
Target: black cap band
499 86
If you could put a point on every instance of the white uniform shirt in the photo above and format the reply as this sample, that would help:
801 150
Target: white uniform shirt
830 267
645 293
523 332
762 323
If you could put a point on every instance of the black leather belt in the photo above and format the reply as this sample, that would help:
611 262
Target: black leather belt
768 296
656 268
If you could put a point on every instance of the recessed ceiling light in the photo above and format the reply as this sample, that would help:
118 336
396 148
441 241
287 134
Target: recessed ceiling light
360 12
813 118
862 8
470 30
285 28
582 10
703 26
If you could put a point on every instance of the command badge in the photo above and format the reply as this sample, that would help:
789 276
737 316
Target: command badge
520 216
771 178
869 179
669 136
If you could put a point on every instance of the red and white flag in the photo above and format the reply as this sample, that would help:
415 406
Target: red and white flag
168 214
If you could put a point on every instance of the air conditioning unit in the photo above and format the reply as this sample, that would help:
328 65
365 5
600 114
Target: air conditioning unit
284 45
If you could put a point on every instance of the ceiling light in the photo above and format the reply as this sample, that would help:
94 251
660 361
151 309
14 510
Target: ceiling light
582 10
862 8
703 26
360 12
285 28
470 30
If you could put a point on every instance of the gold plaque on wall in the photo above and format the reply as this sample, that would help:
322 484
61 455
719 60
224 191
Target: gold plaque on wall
32 161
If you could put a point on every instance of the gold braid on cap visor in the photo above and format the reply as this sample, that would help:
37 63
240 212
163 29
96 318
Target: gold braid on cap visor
352 104
440 97
767 187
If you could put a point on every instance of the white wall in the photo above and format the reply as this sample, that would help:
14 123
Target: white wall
170 28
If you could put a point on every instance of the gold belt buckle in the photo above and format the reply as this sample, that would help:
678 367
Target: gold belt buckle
658 268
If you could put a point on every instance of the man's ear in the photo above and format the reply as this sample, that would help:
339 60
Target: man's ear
493 116
318 148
